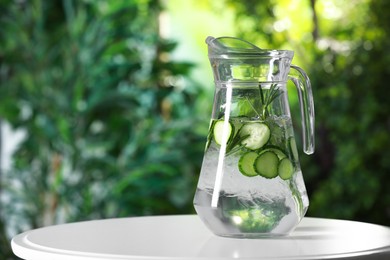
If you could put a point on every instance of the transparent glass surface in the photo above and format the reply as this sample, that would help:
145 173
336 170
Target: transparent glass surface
251 183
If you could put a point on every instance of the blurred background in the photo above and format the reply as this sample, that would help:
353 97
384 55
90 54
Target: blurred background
105 105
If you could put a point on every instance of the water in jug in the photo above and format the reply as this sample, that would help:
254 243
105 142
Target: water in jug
251 184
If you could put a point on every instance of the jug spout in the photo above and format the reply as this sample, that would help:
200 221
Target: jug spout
226 45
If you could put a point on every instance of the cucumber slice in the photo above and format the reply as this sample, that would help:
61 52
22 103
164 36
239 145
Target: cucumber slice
286 169
218 131
246 164
276 150
266 165
258 135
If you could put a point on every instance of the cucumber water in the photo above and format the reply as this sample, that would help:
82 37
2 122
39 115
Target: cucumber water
258 154
250 183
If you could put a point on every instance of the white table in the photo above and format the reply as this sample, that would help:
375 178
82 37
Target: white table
185 237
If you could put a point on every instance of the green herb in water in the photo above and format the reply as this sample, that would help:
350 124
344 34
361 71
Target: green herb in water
266 99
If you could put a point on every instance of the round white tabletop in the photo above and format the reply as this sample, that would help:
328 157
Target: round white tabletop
185 237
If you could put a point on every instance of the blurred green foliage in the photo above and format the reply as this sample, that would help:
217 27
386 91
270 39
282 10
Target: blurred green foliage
109 121
352 176
114 127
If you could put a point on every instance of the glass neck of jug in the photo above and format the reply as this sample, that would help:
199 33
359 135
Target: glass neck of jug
233 59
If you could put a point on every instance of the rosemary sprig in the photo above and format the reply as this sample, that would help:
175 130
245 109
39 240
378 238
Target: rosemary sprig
235 144
261 94
267 99
252 106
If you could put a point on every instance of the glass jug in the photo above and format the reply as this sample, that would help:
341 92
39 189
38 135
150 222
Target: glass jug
251 184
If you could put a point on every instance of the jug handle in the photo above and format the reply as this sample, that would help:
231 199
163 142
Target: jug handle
302 83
